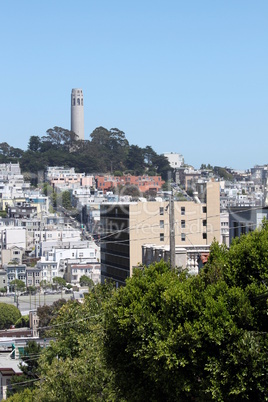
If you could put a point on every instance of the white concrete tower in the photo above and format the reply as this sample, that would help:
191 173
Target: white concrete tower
77 113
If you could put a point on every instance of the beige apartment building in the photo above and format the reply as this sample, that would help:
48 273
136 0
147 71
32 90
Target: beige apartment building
126 227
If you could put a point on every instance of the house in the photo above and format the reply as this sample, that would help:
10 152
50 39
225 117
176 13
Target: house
74 272
13 253
14 271
8 368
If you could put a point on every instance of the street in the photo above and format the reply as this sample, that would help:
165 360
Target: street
27 303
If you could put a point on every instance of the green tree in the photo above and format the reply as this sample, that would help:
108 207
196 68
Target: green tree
135 160
86 281
22 322
9 314
185 338
27 395
74 365
47 313
18 285
34 143
59 281
66 199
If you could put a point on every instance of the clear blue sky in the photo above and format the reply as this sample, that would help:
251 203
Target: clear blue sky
181 76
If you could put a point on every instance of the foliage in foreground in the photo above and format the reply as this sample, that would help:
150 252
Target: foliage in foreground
183 339
73 366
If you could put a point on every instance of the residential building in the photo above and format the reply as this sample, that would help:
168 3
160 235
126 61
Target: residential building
76 271
13 253
143 183
13 272
33 276
3 278
55 257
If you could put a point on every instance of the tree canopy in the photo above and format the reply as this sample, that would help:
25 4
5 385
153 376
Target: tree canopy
104 151
9 315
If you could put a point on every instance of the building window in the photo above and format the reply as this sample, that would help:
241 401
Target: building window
182 210
161 211
182 224
161 224
204 235
204 222
162 237
236 229
243 228
204 209
183 237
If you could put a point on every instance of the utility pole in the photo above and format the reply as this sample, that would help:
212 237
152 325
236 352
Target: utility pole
171 231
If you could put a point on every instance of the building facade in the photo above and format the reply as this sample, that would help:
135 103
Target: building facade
126 227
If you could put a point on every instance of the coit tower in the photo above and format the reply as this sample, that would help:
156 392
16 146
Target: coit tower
77 113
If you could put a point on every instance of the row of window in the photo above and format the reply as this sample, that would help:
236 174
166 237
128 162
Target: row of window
183 223
161 210
78 102
183 236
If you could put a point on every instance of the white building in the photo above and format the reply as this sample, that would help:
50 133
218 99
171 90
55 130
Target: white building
54 259
11 237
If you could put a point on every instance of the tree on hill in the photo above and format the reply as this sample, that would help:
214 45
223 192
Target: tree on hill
9 315
222 172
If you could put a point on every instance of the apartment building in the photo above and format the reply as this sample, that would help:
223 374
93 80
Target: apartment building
126 227
143 183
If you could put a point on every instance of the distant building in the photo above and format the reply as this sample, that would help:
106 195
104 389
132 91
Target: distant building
77 113
243 220
76 271
143 183
191 257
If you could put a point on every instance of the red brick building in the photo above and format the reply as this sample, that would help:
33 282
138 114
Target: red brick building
143 183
